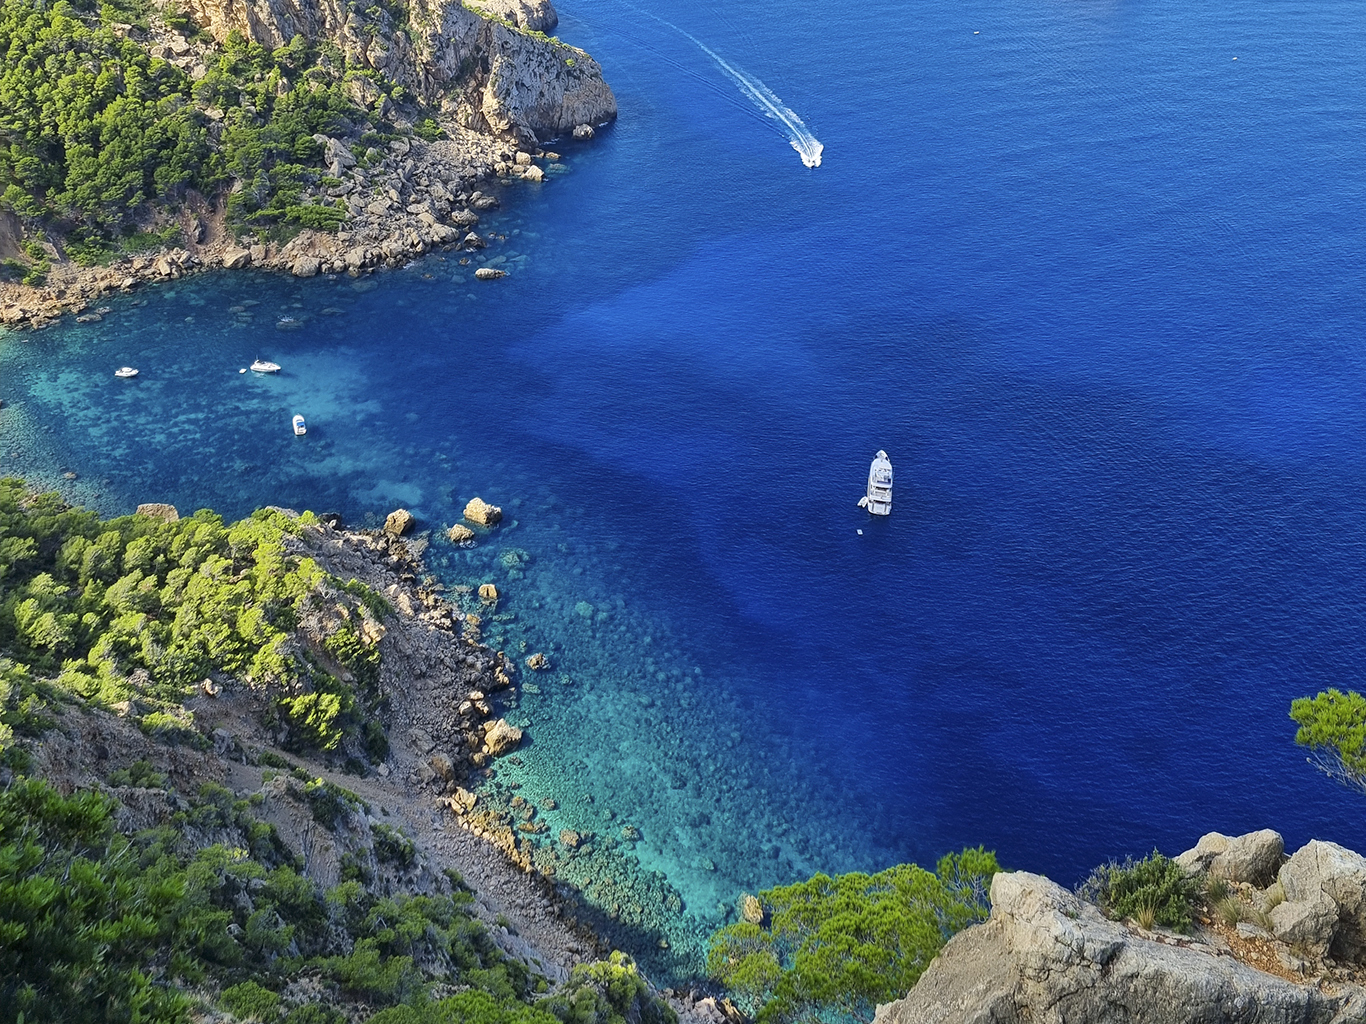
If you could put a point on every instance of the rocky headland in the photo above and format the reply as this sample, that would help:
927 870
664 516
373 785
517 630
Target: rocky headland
443 103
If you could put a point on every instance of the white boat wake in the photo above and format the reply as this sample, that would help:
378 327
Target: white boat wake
808 147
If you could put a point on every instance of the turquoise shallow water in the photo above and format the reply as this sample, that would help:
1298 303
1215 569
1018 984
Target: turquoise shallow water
1095 286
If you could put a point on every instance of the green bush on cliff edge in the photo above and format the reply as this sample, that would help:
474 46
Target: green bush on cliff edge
831 947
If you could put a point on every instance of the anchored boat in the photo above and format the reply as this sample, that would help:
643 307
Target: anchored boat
300 429
265 366
878 500
126 372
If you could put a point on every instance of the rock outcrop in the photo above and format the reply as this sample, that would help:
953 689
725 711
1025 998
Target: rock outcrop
485 64
1325 900
1048 957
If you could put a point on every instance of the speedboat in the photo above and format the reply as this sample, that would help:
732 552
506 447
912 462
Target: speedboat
878 500
300 429
126 372
265 366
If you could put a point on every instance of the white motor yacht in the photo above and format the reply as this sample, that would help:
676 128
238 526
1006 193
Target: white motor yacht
265 366
878 500
126 372
300 428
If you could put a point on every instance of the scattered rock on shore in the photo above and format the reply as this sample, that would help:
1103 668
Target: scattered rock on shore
459 534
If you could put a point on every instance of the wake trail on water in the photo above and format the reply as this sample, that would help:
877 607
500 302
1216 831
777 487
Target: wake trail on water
808 147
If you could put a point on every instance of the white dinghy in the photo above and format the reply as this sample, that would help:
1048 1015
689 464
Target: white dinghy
878 500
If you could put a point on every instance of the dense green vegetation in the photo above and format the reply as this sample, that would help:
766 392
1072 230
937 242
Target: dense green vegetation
832 947
138 609
92 125
1154 890
1333 726
211 909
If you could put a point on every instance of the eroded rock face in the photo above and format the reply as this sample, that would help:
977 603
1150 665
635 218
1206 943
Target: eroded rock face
500 77
533 15
1048 957
1253 858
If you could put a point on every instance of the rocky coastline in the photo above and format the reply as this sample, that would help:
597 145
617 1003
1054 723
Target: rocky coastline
482 93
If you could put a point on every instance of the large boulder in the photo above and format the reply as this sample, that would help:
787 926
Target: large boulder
1327 869
306 266
157 510
481 512
1253 858
1309 925
236 259
399 522
1048 957
501 737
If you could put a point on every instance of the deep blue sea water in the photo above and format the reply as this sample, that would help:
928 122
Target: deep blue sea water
1094 284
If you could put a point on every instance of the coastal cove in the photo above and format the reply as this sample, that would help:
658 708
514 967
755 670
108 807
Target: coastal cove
1082 275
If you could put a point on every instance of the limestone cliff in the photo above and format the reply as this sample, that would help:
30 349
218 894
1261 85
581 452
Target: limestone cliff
1048 957
491 67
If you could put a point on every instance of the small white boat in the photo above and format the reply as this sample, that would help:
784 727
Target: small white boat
265 366
878 500
126 372
300 429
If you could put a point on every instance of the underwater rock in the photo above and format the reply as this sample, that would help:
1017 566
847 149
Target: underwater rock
459 534
157 510
570 838
630 834
537 662
481 512
490 273
399 522
488 592
501 736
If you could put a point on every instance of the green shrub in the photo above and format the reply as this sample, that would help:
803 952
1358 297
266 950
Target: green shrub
251 1001
392 846
610 991
836 947
1154 885
139 773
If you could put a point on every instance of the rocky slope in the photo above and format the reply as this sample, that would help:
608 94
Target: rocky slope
1048 956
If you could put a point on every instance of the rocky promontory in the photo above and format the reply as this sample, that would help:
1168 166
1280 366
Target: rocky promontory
425 106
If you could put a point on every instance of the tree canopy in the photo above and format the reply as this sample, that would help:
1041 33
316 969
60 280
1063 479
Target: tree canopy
1333 726
836 947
